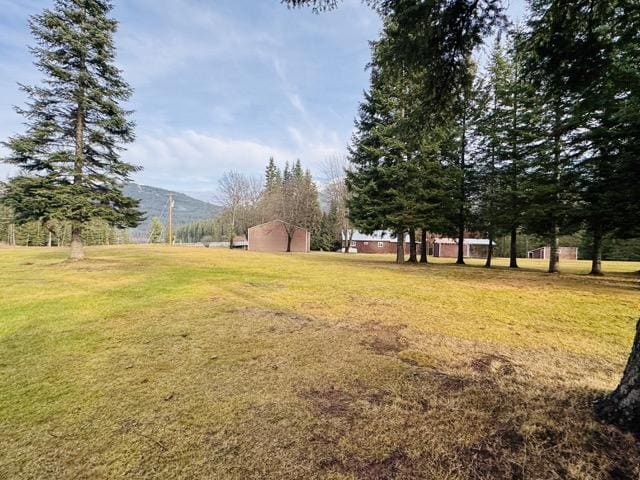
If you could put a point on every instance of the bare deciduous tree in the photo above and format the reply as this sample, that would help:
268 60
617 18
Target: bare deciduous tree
336 193
239 194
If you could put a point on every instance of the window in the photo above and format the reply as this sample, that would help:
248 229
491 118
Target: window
380 244
353 243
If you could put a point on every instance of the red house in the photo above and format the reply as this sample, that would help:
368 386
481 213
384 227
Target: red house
380 241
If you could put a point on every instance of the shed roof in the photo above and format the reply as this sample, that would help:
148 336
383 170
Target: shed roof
276 221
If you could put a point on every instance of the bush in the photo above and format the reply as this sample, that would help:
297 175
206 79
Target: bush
206 240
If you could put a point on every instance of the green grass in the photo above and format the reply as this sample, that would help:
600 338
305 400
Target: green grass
156 362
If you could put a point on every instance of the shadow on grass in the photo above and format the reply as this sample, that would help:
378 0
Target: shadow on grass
622 280
474 426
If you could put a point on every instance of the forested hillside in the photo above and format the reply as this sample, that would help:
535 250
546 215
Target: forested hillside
154 203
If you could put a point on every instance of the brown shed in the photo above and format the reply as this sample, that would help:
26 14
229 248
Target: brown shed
272 237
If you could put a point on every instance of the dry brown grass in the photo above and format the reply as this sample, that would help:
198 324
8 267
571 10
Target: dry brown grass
159 363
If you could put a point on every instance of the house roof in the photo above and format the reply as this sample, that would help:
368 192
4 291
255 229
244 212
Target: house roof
376 236
467 241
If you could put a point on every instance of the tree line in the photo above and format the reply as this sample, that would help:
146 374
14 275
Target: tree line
543 141
55 233
288 194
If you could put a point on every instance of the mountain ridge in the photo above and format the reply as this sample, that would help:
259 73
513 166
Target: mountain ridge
154 203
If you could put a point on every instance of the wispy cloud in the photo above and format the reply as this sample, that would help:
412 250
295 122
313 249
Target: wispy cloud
191 160
219 85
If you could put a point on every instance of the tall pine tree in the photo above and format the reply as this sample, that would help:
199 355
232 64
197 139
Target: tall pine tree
69 156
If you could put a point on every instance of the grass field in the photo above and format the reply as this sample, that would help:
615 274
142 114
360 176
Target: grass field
157 362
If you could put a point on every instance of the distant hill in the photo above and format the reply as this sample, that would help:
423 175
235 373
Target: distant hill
154 201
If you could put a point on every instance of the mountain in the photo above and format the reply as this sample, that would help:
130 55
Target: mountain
154 202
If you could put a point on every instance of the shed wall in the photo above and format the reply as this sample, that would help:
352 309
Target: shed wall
272 237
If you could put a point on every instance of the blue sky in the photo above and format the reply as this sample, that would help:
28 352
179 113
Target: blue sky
220 84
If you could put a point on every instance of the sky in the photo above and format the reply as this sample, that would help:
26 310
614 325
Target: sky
220 84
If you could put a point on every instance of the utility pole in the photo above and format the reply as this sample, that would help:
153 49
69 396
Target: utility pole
170 239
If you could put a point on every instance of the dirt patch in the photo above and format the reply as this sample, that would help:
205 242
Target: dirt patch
329 401
492 364
339 402
385 339
447 382
486 457
384 469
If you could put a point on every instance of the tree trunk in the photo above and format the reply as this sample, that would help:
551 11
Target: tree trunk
77 245
513 249
50 240
413 251
487 264
463 192
424 246
348 235
289 237
622 406
400 248
553 252
557 150
596 256
460 260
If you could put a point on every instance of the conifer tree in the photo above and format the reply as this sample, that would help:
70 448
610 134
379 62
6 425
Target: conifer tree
486 184
155 231
69 155
513 94
552 155
272 175
381 174
500 166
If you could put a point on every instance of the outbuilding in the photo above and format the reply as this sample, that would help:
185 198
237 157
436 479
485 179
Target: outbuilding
544 253
272 237
472 247
380 241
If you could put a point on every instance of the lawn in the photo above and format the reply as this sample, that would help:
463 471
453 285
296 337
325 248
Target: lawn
158 362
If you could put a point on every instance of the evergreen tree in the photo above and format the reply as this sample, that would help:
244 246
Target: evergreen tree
272 175
512 98
461 164
379 180
294 201
552 176
69 154
501 167
399 180
155 232
486 184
